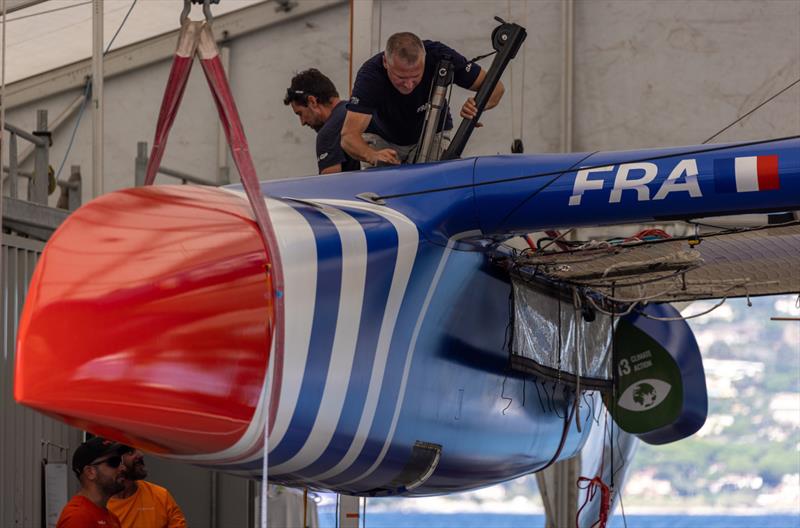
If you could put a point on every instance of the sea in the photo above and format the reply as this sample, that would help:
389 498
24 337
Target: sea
327 519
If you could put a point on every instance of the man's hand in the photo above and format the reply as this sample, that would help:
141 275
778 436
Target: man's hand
384 156
353 143
470 110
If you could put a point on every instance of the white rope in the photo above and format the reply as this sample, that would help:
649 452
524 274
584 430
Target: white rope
611 314
681 257
686 317
642 297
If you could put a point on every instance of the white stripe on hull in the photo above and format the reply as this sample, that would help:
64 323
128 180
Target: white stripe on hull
296 245
410 354
351 298
299 259
408 243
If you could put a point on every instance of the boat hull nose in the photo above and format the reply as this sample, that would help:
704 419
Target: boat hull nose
149 320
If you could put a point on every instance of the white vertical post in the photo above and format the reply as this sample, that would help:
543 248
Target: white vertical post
360 36
97 98
349 510
568 39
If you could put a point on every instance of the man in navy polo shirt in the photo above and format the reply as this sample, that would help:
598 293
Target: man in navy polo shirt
391 91
314 99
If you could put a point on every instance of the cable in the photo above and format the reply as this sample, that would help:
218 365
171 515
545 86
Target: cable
479 57
48 11
567 419
751 111
86 91
125 19
683 318
503 395
559 173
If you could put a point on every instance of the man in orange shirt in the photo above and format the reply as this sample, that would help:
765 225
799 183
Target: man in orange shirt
142 504
99 468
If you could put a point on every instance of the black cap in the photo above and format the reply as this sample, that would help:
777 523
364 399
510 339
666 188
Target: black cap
91 450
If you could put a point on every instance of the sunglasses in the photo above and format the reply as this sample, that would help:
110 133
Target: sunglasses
296 95
112 462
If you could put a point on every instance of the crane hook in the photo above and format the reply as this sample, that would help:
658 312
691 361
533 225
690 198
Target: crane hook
187 7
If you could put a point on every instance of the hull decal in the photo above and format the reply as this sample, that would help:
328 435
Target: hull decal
353 282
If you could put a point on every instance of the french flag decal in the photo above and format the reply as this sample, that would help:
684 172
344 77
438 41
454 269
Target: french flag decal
746 174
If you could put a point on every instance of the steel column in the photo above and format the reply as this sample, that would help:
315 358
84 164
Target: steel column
38 187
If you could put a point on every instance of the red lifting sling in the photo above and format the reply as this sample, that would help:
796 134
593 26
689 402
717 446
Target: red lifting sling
196 38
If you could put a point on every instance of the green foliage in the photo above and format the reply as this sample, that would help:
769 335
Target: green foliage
782 380
746 447
774 464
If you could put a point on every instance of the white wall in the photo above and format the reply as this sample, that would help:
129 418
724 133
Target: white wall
647 73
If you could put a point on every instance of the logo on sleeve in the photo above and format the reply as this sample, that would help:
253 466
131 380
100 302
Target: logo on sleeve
354 100
322 156
468 68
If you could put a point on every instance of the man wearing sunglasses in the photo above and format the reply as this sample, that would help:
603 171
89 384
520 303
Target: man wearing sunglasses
314 99
142 504
98 466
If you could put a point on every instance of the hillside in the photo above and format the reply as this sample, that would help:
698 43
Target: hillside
745 458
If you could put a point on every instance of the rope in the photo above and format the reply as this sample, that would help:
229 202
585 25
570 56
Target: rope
87 90
751 111
682 317
594 485
124 19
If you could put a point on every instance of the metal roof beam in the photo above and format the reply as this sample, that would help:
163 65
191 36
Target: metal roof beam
16 5
155 49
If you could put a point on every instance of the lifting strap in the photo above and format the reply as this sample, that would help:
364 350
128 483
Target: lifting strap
196 39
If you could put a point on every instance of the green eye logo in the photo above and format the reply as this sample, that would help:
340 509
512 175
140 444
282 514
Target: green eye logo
644 395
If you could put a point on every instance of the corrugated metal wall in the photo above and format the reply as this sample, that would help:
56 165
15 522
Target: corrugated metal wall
27 438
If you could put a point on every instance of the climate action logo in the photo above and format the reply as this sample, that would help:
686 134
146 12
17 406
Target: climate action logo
644 395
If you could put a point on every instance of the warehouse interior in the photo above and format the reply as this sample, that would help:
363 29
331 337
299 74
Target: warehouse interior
591 76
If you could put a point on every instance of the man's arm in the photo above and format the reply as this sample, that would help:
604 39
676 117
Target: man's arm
332 169
354 125
470 108
174 513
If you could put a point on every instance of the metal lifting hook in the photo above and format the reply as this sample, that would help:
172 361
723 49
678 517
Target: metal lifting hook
187 7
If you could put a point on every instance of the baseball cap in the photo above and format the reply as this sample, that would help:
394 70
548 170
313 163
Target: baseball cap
123 449
91 450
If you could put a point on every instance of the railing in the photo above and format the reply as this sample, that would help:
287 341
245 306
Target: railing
141 170
41 181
